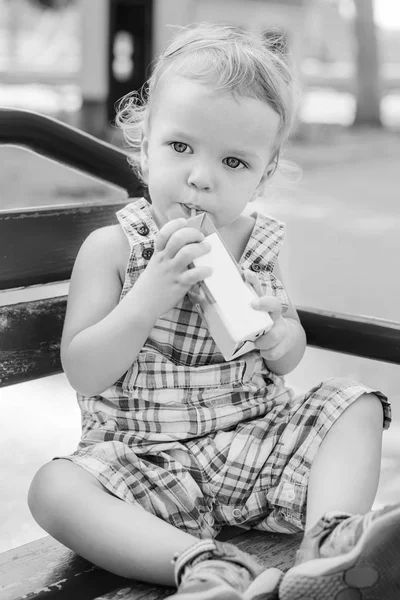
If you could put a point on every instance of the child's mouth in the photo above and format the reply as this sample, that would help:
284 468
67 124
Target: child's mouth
191 210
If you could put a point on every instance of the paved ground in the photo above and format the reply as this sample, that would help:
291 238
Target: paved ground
342 250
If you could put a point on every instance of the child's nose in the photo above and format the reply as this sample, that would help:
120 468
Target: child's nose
200 178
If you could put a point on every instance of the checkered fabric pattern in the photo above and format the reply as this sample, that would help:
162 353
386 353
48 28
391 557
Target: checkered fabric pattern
198 441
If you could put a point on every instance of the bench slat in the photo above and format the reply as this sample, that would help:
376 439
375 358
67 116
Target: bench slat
46 570
40 245
367 337
30 334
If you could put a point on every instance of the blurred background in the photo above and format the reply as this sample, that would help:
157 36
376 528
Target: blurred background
73 59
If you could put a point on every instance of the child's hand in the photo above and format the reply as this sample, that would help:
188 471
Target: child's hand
167 277
278 340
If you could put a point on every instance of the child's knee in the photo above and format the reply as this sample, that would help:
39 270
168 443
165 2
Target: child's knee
370 404
49 491
368 407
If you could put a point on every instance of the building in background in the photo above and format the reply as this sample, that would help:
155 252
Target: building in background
136 31
91 58
74 59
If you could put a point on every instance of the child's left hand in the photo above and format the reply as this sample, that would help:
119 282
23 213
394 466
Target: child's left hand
278 340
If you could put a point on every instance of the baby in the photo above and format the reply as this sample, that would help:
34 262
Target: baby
176 441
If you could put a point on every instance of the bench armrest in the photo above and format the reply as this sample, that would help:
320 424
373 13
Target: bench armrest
69 146
360 335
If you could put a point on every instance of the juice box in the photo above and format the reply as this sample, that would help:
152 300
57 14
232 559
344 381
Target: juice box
223 299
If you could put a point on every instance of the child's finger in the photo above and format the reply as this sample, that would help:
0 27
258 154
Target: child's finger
270 304
193 276
189 252
252 279
179 240
273 353
165 232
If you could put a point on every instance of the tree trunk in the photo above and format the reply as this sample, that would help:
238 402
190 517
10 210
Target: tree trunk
368 95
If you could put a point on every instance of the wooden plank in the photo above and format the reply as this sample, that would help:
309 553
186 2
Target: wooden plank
30 334
46 570
40 245
368 337
271 549
140 591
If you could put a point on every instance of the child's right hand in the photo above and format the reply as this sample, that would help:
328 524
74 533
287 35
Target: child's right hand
167 277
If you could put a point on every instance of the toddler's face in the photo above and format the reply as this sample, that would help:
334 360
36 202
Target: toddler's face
205 148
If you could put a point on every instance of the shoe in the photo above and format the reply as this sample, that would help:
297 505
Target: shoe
346 557
212 570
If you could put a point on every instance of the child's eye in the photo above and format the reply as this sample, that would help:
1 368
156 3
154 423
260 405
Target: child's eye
234 163
179 147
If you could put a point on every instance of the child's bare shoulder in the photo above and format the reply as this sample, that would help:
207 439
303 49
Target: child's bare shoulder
109 245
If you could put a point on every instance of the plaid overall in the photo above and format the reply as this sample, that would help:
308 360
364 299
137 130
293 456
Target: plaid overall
198 441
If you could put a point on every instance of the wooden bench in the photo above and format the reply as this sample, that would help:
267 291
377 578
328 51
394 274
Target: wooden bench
38 246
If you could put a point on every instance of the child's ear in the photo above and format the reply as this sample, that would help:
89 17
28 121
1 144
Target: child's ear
270 170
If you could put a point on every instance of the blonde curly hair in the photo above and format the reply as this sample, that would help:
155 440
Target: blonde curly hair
226 57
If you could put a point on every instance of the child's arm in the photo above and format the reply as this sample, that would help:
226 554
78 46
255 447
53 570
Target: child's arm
102 336
283 346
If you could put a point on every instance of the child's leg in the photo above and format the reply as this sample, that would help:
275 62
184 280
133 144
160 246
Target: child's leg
351 552
73 507
345 473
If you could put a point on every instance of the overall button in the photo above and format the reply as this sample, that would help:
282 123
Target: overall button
255 267
143 230
209 519
237 513
147 253
270 496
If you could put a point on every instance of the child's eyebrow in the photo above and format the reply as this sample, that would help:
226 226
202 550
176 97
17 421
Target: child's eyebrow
243 153
180 134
